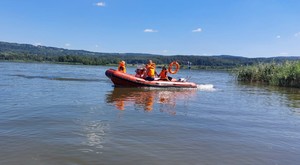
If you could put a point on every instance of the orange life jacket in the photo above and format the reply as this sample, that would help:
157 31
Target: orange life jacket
151 70
122 67
163 74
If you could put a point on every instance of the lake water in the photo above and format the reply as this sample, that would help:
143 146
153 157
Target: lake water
71 114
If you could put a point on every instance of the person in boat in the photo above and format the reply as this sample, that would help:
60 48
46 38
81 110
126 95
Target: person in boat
140 73
150 70
163 74
122 67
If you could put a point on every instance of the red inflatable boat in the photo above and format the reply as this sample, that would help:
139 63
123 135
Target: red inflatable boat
121 79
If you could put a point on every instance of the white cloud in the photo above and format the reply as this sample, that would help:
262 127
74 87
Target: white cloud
278 36
100 4
197 30
67 45
297 34
150 31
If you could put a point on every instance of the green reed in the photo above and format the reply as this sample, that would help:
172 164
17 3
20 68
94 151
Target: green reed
286 74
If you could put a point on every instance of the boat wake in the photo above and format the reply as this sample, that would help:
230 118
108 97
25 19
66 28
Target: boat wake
206 87
55 78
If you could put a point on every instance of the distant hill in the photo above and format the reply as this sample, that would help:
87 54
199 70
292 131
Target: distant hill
51 51
27 52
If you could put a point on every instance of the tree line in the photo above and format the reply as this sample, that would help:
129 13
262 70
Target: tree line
27 52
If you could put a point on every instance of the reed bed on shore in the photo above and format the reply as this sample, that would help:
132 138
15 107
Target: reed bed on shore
286 74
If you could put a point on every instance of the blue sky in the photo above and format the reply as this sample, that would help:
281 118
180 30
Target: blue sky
249 28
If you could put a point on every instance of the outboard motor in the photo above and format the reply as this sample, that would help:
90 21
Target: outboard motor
182 80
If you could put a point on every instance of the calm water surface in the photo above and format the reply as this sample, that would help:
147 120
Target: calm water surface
68 114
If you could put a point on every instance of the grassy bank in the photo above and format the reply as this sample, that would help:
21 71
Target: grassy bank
286 74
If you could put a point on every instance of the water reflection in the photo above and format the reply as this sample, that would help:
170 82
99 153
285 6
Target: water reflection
289 97
148 98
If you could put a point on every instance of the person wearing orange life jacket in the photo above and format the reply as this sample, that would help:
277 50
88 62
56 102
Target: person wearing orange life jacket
122 67
163 74
150 67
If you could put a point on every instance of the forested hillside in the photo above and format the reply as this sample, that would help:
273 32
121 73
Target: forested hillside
27 52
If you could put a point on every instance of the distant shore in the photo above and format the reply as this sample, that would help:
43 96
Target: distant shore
129 65
32 53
